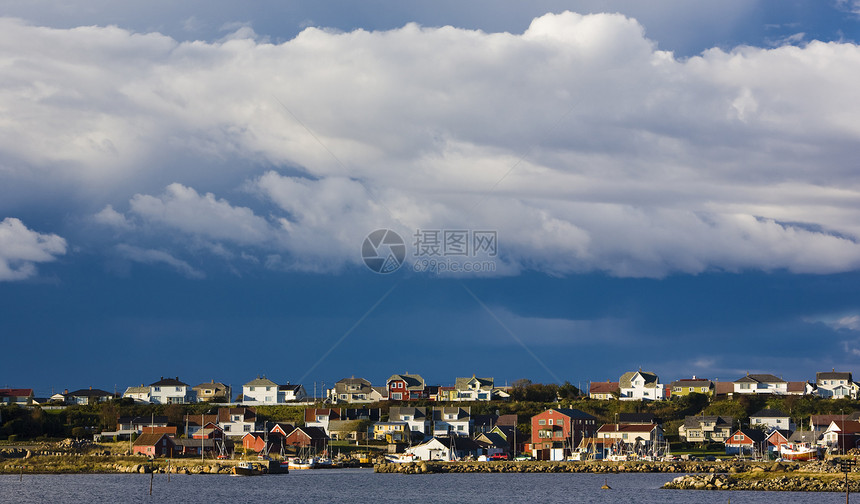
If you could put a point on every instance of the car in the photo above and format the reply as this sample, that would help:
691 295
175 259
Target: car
710 458
523 457
499 456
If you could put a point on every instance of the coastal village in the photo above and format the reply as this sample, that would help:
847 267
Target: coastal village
407 420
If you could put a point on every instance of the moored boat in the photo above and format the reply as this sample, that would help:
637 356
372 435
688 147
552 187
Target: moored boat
246 469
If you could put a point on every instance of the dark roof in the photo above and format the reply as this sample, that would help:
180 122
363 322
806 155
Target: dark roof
149 420
150 439
461 413
89 393
167 382
413 382
289 387
507 420
804 437
312 432
832 375
484 420
769 413
694 422
760 378
397 412
372 414
603 387
754 434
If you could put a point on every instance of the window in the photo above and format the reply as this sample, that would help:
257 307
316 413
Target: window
397 396
745 386
738 437
247 428
251 389
158 389
541 422
407 417
227 427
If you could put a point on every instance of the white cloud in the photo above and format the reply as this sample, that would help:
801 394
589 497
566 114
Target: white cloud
184 209
21 248
584 145
151 256
110 217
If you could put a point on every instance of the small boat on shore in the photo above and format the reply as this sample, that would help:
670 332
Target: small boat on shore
798 452
301 464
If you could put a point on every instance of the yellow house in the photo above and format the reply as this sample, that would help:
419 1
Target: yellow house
393 432
687 386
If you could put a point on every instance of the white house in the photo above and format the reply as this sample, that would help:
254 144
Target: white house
771 419
170 391
453 448
416 418
641 385
760 384
452 421
835 385
474 389
291 393
138 394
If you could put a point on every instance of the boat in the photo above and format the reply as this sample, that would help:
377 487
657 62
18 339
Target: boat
246 469
401 458
798 452
301 463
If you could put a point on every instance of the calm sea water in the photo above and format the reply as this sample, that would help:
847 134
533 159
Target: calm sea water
364 486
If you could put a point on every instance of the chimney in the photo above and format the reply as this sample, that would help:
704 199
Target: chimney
66 392
91 387
177 378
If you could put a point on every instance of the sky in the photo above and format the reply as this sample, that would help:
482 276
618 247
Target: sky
192 190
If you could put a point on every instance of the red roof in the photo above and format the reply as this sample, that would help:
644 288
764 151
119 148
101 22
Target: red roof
16 392
721 388
603 387
797 386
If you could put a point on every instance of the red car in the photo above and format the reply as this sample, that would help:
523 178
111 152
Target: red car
499 456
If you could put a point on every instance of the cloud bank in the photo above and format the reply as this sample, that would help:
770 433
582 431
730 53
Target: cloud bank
579 140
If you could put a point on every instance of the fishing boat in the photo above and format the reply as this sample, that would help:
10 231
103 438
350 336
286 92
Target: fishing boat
800 452
301 463
246 469
401 458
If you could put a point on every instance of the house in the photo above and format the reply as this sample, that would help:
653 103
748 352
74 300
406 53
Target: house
724 389
604 390
453 420
771 419
212 392
194 447
446 448
313 438
393 432
406 387
800 388
264 442
281 429
760 384
440 393
170 391
195 423
380 392
706 429
320 417
19 396
136 425
348 430
237 421
154 445
483 423
260 391
694 385
416 418
291 393
777 438
835 385
746 442
820 423
474 389
371 414
557 431
88 396
209 431
841 436
623 438
641 385
137 394
490 443
352 390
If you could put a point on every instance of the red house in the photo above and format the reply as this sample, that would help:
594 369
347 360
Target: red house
154 445
406 387
746 442
557 432
308 437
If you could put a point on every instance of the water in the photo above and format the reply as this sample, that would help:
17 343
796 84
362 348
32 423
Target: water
365 486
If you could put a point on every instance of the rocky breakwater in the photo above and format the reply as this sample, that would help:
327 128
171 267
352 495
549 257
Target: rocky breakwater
811 477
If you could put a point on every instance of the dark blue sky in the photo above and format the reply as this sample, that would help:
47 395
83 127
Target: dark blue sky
184 190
